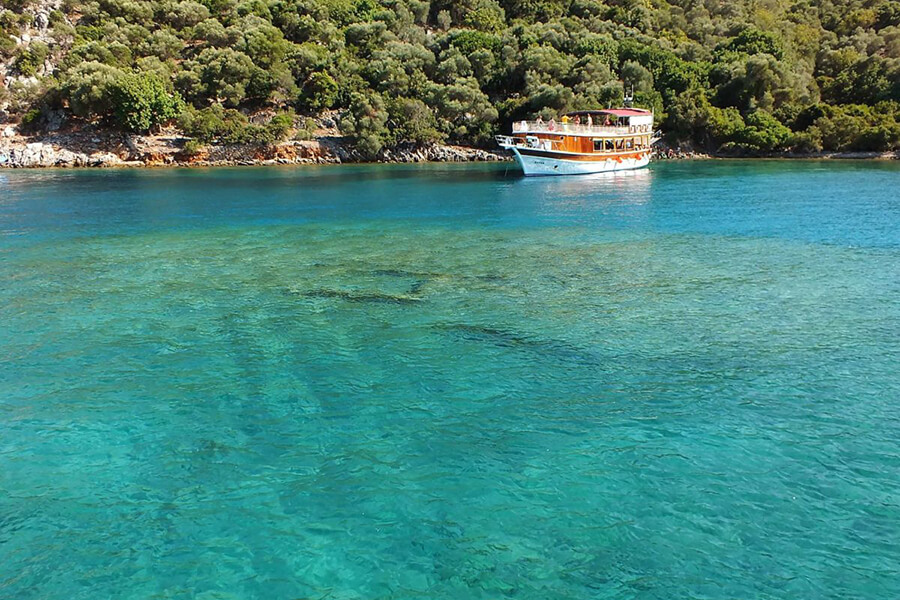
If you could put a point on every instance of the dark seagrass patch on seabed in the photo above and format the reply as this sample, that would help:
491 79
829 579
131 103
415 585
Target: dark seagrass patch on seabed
510 339
417 280
373 297
423 277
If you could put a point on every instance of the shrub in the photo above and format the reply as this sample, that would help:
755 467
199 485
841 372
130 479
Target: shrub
113 53
807 141
443 20
31 59
193 148
469 41
30 120
263 43
214 123
280 126
7 45
724 124
305 130
600 45
228 126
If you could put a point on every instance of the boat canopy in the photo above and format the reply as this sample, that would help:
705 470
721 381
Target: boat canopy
616 112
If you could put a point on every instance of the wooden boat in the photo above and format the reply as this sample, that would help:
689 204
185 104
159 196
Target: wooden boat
588 141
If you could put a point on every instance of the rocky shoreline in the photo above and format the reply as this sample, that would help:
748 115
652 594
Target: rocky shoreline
114 149
677 153
111 149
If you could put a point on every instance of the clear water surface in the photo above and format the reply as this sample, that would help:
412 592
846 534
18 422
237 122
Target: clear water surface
448 382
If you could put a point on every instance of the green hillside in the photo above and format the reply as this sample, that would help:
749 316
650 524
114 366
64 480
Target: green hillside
739 75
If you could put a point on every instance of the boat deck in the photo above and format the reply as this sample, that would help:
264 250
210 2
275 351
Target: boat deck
531 127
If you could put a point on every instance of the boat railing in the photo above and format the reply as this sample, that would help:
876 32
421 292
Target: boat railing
554 127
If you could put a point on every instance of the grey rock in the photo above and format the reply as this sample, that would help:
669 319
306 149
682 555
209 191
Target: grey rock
42 21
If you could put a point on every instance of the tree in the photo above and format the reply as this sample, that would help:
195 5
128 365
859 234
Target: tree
484 15
763 132
636 75
162 44
594 83
182 14
864 81
759 80
366 123
89 89
221 74
262 42
411 120
753 41
464 110
319 91
142 102
212 32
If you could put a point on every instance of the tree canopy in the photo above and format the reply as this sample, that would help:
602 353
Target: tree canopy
743 75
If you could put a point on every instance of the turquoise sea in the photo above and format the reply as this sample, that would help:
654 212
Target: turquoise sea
449 382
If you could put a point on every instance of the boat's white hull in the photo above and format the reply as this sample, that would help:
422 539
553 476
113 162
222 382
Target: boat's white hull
572 165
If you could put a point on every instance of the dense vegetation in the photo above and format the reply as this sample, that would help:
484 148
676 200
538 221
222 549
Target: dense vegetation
746 75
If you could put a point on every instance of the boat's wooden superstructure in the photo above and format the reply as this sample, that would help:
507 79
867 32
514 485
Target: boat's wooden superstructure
583 142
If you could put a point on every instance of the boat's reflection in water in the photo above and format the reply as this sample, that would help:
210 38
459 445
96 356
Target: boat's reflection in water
634 184
623 191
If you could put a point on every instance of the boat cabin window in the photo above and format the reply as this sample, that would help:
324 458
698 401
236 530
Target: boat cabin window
613 145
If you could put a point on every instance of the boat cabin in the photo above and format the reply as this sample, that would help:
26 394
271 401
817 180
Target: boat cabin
611 131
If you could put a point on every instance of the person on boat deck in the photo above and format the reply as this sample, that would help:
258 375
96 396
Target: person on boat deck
589 121
551 125
577 120
540 120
